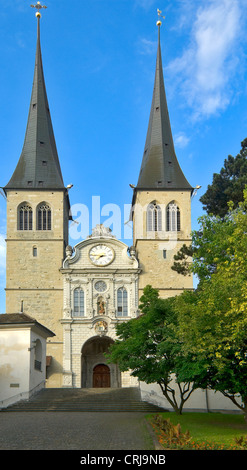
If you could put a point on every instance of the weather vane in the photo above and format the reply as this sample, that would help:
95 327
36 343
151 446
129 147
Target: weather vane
160 16
38 7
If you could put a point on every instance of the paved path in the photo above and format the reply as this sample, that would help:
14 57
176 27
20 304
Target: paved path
74 431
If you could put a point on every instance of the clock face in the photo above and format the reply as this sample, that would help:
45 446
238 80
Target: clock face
101 255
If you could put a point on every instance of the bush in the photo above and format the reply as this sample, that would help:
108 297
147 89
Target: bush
241 442
171 432
170 436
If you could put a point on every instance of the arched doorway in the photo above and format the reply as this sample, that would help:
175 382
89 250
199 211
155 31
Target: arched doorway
94 369
101 376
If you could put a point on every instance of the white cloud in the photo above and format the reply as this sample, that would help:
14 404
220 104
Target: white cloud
146 46
146 4
181 140
204 71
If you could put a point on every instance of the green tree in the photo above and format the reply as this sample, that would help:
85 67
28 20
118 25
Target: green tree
149 347
209 246
213 319
228 185
182 259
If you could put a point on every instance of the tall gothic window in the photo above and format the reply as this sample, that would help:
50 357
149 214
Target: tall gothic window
173 218
154 218
25 217
78 307
44 217
122 302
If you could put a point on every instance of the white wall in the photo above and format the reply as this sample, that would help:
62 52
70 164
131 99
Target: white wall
200 400
18 377
14 362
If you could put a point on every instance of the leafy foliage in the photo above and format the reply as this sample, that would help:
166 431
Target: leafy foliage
226 192
172 433
149 347
241 442
182 260
228 185
213 319
170 436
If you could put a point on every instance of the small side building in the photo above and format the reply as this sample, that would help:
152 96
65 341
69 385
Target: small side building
22 357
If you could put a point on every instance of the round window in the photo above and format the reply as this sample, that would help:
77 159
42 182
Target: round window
100 286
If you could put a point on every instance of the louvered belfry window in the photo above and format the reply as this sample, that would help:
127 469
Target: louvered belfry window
154 218
173 223
25 217
44 217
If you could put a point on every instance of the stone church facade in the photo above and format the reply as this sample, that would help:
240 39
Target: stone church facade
81 293
100 290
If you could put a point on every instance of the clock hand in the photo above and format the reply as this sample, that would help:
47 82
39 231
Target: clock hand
99 255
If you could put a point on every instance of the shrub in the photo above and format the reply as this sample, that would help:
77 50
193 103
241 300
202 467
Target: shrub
171 437
241 442
171 432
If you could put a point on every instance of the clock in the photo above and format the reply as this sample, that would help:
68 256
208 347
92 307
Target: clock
101 255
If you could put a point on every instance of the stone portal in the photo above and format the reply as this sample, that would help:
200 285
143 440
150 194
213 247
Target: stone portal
95 371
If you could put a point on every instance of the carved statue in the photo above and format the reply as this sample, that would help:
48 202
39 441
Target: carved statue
101 305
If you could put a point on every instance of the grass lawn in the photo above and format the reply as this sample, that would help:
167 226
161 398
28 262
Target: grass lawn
216 428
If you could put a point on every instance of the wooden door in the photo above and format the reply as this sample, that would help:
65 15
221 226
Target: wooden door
101 376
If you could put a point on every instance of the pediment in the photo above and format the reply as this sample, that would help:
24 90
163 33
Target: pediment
87 255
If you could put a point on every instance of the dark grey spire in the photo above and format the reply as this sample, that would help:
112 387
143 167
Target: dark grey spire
38 166
160 167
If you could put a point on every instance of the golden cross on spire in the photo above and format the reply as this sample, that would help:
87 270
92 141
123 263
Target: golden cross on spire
38 7
160 16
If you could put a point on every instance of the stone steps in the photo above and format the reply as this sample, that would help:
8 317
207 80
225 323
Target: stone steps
86 400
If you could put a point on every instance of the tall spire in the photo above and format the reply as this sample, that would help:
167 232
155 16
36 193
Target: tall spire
38 166
160 167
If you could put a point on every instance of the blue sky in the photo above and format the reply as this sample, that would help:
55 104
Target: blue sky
99 63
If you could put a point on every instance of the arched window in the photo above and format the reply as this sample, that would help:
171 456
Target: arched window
154 218
38 355
122 302
44 217
173 218
25 217
78 307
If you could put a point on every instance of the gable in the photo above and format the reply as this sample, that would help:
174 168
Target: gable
100 253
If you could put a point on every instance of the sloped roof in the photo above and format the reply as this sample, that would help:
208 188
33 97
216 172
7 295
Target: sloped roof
160 167
22 319
38 165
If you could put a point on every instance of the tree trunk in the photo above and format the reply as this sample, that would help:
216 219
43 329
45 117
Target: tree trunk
169 394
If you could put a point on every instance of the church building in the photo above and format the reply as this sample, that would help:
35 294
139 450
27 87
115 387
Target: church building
81 293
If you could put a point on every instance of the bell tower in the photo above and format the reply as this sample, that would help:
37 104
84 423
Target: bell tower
161 204
37 218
